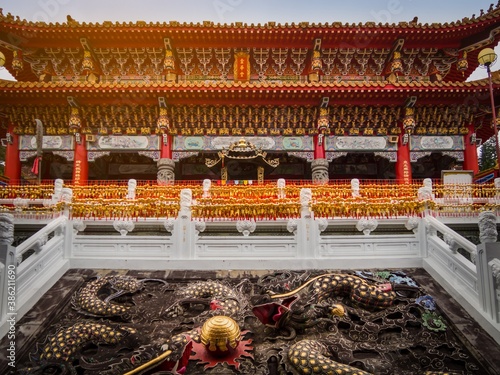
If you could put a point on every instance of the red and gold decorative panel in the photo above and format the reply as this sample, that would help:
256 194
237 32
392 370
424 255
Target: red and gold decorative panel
241 67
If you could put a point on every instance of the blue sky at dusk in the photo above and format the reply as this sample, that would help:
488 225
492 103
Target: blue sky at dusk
247 11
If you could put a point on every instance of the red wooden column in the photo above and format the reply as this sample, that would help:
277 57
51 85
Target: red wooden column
166 166
470 151
319 149
12 162
403 164
319 166
80 163
166 146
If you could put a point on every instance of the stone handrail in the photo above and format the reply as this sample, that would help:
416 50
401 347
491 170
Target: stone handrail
450 237
40 238
470 282
31 274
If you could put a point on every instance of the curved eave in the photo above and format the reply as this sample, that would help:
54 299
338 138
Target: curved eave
376 93
73 24
455 35
38 34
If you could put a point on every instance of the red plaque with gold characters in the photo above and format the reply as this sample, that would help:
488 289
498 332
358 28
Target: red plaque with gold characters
241 67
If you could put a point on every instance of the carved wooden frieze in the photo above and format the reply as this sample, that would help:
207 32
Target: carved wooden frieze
125 142
360 143
49 142
199 143
436 142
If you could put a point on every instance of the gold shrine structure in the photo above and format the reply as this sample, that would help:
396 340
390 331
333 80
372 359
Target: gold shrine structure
153 101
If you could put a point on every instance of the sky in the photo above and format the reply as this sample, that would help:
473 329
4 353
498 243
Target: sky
248 11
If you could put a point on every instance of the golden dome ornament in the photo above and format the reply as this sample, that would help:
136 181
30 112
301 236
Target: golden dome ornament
87 63
169 62
220 335
17 61
75 121
316 62
396 64
163 123
462 63
409 121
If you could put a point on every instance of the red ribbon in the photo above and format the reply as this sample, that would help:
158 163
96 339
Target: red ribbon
35 165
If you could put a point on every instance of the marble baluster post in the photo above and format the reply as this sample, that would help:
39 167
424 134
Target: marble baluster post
488 265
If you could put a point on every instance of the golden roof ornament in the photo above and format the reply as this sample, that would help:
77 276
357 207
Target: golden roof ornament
323 119
75 121
168 62
316 63
17 61
409 120
396 64
242 143
462 63
163 122
87 63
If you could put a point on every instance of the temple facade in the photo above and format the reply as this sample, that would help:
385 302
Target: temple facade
163 101
346 151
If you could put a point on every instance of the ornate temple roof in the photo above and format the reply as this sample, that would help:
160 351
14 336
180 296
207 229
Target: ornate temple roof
237 92
117 72
368 45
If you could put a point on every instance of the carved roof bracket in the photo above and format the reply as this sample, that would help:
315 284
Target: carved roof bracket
317 44
396 47
410 102
168 58
323 120
90 61
162 102
167 43
72 102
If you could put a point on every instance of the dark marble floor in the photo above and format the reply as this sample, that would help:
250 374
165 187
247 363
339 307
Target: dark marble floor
48 312
476 339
